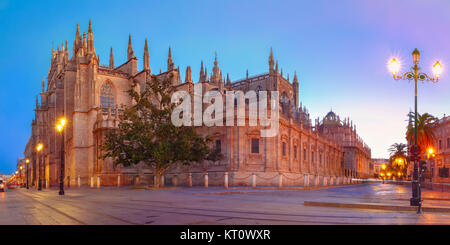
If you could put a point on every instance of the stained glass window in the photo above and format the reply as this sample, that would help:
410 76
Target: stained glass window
106 96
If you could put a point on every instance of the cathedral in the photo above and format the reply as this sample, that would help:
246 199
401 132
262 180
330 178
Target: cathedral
89 94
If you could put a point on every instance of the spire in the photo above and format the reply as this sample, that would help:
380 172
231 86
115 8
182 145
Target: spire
216 70
146 56
228 81
77 34
90 26
130 53
276 67
188 75
170 64
43 83
77 42
295 81
90 39
202 73
84 43
247 74
271 61
111 59
66 49
178 75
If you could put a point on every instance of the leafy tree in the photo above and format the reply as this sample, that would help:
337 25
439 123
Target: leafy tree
425 135
145 133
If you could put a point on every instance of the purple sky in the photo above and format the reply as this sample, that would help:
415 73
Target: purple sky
338 48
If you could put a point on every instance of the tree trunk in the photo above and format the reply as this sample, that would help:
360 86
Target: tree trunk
157 180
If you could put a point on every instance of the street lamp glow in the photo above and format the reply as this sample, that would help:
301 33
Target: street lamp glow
383 166
394 66
399 174
27 161
389 174
21 167
437 69
60 125
39 147
62 121
430 150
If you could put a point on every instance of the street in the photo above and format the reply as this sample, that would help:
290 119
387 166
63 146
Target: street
215 205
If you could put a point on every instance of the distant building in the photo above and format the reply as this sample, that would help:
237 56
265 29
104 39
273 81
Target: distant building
377 163
441 164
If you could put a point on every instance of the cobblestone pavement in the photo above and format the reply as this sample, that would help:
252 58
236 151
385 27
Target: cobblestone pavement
214 205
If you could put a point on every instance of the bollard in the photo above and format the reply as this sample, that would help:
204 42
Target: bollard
225 181
92 181
316 180
175 180
325 180
206 180
161 184
190 180
98 181
306 180
253 180
79 181
118 181
280 181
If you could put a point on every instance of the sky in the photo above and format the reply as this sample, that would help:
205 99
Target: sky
339 50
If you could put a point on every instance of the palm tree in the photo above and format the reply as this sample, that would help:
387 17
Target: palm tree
425 126
398 157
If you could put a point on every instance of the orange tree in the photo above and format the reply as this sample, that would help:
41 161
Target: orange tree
146 134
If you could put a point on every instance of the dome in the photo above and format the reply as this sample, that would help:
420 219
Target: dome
331 119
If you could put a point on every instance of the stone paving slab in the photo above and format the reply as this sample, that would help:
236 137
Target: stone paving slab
376 206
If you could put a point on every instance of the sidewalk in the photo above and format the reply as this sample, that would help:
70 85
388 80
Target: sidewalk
385 198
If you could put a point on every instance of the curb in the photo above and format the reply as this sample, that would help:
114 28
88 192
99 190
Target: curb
375 206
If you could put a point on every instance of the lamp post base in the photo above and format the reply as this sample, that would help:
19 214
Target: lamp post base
61 192
414 202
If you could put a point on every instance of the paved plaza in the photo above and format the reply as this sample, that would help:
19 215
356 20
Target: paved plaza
216 205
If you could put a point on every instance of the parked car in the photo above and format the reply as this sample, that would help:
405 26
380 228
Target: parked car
2 186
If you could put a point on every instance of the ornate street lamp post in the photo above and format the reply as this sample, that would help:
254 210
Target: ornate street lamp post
415 74
27 161
60 129
20 174
38 149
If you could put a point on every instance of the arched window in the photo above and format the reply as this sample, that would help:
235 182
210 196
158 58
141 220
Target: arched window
106 96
